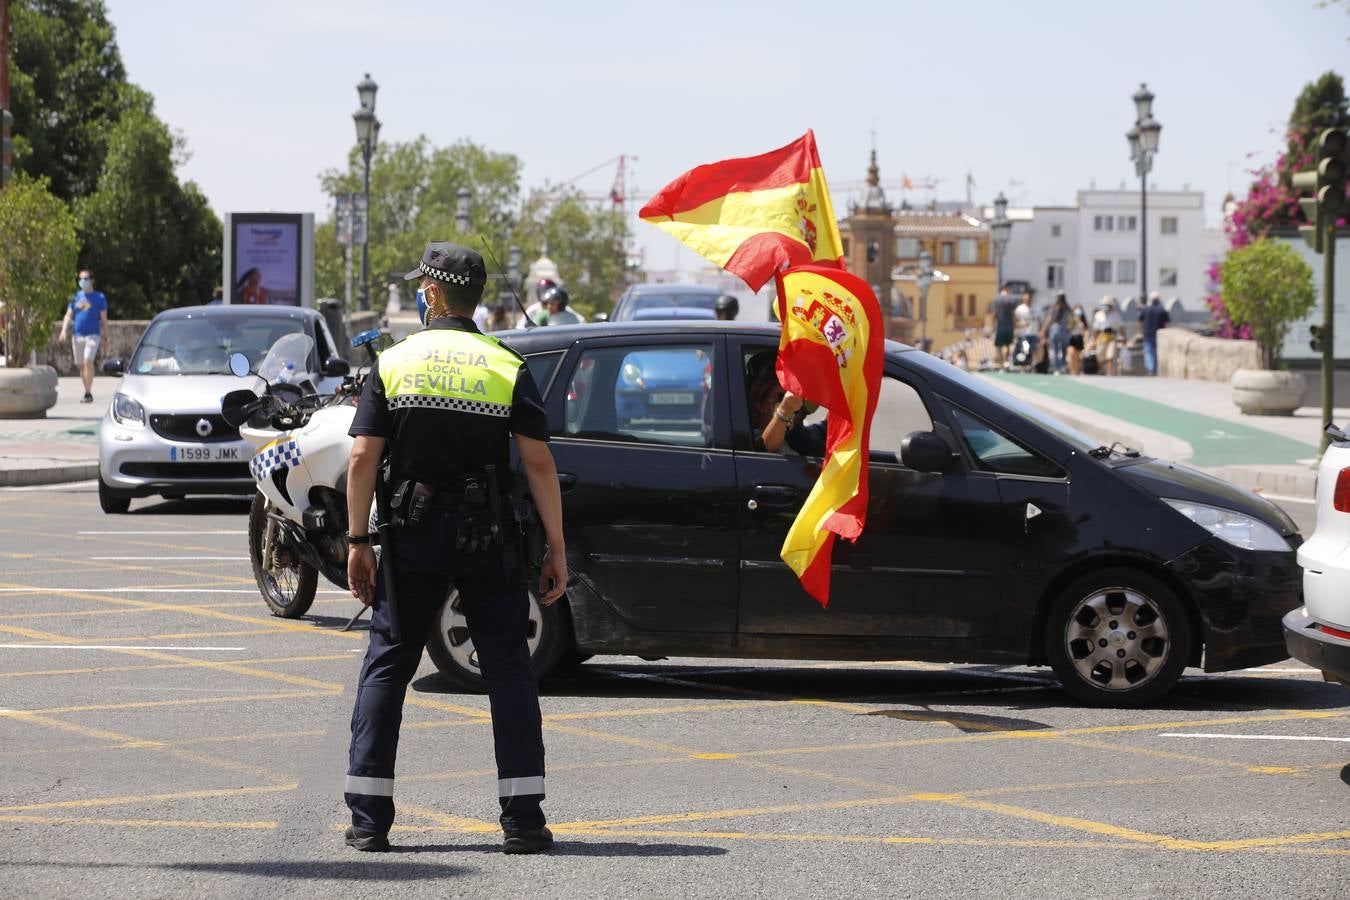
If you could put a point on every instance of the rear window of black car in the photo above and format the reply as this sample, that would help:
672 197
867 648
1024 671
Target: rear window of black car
994 451
542 366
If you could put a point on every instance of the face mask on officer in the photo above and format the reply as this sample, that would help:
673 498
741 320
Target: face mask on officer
422 306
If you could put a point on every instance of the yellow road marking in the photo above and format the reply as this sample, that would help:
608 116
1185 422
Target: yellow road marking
137 823
101 670
714 756
95 802
187 701
461 822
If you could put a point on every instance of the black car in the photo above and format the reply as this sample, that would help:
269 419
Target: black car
994 534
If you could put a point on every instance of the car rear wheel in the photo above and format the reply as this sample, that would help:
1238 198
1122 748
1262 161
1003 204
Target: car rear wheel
451 648
288 583
1118 637
111 502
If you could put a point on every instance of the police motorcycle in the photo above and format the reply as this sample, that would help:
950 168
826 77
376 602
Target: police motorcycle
298 521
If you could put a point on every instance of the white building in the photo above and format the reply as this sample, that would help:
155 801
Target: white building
1092 249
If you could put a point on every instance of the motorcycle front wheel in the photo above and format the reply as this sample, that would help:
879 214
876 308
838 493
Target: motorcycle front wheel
287 589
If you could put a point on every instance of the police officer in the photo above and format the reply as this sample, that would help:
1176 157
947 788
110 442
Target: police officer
442 405
726 308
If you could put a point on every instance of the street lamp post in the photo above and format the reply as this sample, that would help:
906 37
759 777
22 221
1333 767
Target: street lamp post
1000 229
462 221
1143 138
925 280
367 135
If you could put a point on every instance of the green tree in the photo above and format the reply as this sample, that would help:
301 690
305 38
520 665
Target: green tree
1268 286
152 242
67 85
584 238
413 188
37 233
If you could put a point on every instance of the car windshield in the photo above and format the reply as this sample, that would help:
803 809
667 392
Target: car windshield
686 299
201 345
990 391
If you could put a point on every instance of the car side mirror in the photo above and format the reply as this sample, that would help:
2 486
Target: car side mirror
924 451
114 366
237 407
336 367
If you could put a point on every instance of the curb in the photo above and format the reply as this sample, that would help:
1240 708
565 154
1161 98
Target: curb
48 475
1281 481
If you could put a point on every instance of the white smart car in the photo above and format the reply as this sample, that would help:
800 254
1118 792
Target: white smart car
1318 633
163 432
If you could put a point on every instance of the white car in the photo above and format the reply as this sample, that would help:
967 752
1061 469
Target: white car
1318 633
163 432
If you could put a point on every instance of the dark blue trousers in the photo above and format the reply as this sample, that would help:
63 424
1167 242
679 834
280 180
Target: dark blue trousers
425 566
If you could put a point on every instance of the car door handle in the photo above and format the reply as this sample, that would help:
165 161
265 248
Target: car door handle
776 495
566 481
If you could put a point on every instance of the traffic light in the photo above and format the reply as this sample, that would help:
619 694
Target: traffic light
1325 186
1316 342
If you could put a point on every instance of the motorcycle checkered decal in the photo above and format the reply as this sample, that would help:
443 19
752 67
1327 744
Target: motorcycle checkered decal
281 455
480 407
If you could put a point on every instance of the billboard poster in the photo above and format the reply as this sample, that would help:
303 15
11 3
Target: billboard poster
266 260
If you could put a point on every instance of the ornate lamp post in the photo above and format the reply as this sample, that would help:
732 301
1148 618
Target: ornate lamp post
462 198
925 280
1143 138
367 135
1000 229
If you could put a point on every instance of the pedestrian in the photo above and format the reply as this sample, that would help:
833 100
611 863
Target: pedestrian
1108 333
1001 310
87 320
1153 318
1057 328
727 308
499 319
537 312
556 299
1078 330
440 407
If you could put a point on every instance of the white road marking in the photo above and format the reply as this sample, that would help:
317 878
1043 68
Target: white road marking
1254 737
104 647
1284 671
168 558
163 533
63 486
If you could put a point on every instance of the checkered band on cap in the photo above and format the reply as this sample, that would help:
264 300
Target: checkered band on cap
477 407
442 275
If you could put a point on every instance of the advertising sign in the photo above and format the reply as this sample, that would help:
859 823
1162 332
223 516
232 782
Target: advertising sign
269 259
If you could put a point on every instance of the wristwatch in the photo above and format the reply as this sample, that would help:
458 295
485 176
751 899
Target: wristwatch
358 539
778 414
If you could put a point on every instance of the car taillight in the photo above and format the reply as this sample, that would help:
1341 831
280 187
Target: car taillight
1334 632
1340 497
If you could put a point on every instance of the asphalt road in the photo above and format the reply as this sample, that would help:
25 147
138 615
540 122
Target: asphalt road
163 736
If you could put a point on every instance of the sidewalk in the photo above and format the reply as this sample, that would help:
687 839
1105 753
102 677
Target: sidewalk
61 447
1187 421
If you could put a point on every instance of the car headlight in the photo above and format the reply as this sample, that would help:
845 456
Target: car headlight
1238 529
126 411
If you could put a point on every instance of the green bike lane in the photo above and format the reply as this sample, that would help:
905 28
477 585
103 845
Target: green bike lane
1215 441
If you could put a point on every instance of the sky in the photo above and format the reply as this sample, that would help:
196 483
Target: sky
1030 98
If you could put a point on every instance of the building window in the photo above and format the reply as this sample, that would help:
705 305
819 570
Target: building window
971 306
1103 223
945 253
1167 277
1168 224
846 246
966 250
907 248
1127 223
1101 271
1054 230
960 304
1054 276
1125 271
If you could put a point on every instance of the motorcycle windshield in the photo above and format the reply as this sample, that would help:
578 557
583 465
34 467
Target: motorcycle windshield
292 348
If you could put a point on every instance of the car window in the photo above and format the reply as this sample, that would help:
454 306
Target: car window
664 300
649 395
541 366
996 452
900 412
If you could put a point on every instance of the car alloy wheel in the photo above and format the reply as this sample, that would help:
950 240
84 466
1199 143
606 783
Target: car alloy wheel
451 648
1118 637
455 626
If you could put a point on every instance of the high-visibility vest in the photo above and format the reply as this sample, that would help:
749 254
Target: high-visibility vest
445 368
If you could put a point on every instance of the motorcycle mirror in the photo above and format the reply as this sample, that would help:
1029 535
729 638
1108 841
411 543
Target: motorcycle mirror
237 406
239 366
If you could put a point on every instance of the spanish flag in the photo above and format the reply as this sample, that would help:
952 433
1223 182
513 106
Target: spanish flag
830 353
754 216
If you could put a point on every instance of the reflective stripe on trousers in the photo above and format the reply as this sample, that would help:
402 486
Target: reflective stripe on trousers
533 786
370 787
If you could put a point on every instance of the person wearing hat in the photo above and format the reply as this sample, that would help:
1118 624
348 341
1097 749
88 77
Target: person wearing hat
726 308
555 300
1108 330
440 408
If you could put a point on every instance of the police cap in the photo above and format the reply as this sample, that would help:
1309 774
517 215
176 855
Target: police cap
451 264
